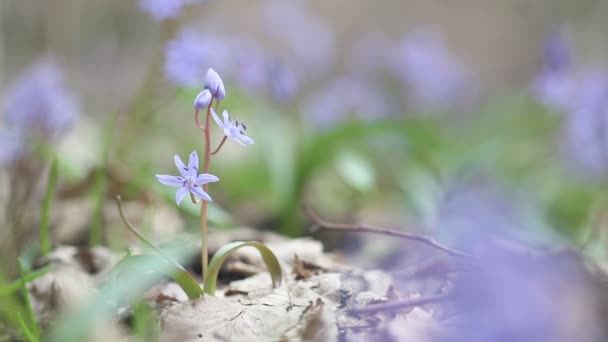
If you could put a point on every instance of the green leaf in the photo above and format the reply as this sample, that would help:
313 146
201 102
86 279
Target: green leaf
26 331
30 312
156 265
16 285
271 261
177 272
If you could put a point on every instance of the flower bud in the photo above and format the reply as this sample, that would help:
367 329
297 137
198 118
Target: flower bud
214 83
203 99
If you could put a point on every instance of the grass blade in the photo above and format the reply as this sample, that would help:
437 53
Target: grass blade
45 240
271 261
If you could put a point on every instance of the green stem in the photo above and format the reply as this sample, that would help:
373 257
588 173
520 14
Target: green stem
45 241
28 306
179 274
16 285
204 204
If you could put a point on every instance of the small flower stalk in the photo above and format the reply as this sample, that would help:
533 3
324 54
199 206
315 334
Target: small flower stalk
190 180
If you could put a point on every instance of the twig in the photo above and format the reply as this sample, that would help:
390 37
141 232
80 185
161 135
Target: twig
321 224
372 308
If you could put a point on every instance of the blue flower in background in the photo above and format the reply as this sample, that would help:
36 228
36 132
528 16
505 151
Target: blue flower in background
11 146
344 98
283 81
555 85
190 54
308 36
190 180
586 125
434 79
164 9
38 103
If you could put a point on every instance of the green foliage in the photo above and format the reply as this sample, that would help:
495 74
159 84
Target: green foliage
45 213
30 329
271 261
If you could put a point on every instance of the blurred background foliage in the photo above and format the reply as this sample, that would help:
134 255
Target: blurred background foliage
365 112
437 116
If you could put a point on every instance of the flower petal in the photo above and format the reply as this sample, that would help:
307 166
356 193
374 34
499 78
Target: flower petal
226 118
183 170
205 178
237 139
216 118
193 163
200 193
180 194
247 140
170 180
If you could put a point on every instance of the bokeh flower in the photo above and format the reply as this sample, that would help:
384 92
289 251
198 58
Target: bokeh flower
38 104
309 38
556 83
346 97
11 146
190 180
434 79
586 126
164 9
191 53
233 129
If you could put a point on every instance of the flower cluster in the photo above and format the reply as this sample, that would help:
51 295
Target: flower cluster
189 180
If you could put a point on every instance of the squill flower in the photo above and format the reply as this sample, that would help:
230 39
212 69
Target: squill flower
214 83
233 129
203 99
190 180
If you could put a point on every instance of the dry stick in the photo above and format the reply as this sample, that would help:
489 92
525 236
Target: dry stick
322 224
373 308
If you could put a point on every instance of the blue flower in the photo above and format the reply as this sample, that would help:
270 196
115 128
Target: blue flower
556 83
214 83
233 129
435 79
11 146
191 53
190 180
203 99
164 9
38 104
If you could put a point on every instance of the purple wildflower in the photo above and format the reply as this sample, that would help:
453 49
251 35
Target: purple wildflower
233 129
203 99
586 126
556 83
283 81
347 97
191 53
436 80
309 37
164 9
250 65
190 180
510 295
214 83
11 146
39 104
